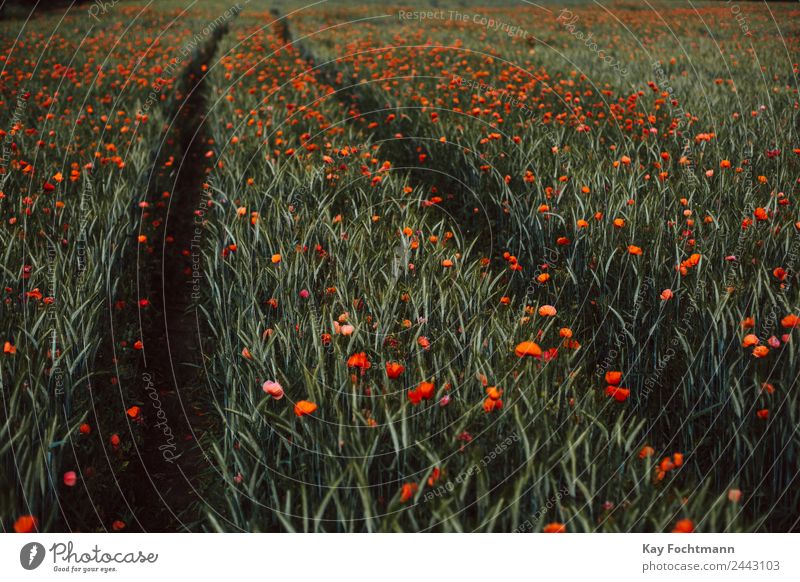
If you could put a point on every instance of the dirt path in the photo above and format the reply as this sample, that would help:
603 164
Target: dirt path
172 462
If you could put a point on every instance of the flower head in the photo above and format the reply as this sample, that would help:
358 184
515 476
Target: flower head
528 349
304 408
274 389
359 360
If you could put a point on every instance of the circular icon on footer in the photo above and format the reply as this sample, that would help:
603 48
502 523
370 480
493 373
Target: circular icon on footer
31 555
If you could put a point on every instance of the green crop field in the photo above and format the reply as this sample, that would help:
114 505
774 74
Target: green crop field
364 267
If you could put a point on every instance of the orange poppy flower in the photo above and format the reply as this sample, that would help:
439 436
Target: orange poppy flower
304 407
647 451
407 491
133 411
666 464
613 377
9 348
494 393
35 294
490 404
790 320
26 524
684 526
760 351
359 360
555 527
547 311
529 349
634 250
750 340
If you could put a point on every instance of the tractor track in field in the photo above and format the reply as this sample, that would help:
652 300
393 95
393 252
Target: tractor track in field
432 176
405 151
171 462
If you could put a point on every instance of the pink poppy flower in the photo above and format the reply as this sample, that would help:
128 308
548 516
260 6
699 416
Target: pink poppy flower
273 389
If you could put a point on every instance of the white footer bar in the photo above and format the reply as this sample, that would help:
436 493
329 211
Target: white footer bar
382 557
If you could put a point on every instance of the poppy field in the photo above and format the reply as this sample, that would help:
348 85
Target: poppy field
359 267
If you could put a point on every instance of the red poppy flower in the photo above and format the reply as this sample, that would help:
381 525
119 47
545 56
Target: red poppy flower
426 389
407 491
394 370
618 393
26 524
415 396
684 526
359 360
